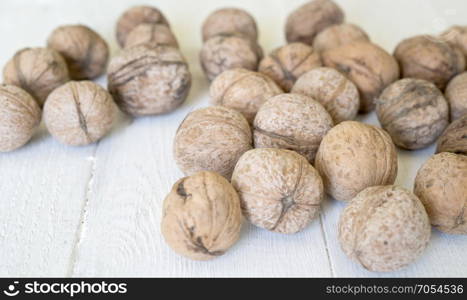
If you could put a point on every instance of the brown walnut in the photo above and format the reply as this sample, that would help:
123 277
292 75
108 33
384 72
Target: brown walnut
454 138
456 94
228 21
338 35
152 35
457 36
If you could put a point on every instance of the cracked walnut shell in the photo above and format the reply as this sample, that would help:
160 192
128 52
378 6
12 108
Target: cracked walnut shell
454 138
279 190
384 228
202 216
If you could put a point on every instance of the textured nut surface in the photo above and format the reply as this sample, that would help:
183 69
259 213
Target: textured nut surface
79 113
367 65
212 139
243 90
354 156
293 122
414 112
230 20
38 71
286 64
279 190
152 35
149 80
19 117
441 184
304 23
454 138
135 16
384 228
456 36
338 35
226 52
202 216
84 50
456 94
429 58
333 90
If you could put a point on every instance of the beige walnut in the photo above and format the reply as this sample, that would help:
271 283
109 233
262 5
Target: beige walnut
212 139
456 36
243 90
148 80
367 65
338 35
279 190
354 156
152 35
414 112
202 216
19 117
333 90
454 138
38 71
441 184
286 64
79 113
293 122
230 20
84 50
456 94
384 228
304 23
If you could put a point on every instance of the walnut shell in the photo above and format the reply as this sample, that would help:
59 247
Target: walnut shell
243 90
135 16
293 122
333 90
279 190
226 52
304 23
230 20
38 71
202 216
79 113
414 112
454 138
152 35
456 36
84 50
429 58
354 156
19 117
367 65
456 94
338 35
212 139
149 80
441 184
286 64
384 228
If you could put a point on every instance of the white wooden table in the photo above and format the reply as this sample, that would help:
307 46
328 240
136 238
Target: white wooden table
96 210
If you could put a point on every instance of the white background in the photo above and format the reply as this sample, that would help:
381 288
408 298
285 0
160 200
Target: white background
96 210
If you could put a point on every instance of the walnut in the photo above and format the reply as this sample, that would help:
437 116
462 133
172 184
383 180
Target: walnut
243 90
79 113
149 80
414 112
228 21
333 90
338 35
152 35
38 71
454 138
212 139
279 190
456 94
429 58
441 184
19 117
354 156
135 16
84 50
456 36
367 65
294 122
384 228
202 216
304 23
286 64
